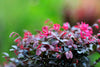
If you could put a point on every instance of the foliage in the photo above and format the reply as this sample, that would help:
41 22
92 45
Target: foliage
56 45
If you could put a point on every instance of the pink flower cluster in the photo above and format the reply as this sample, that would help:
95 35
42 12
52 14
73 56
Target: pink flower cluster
86 31
58 41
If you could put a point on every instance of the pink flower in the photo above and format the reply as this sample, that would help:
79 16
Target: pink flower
90 28
96 26
27 34
66 26
98 20
82 35
86 30
83 26
56 27
85 34
98 34
45 30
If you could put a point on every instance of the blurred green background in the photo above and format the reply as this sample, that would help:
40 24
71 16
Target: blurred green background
20 15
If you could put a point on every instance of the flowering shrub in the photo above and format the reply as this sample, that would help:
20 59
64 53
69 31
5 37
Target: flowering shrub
55 45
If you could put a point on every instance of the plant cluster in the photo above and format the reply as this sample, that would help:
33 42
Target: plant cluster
55 45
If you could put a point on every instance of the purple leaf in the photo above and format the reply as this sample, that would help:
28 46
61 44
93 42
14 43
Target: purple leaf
14 46
55 42
51 47
6 54
38 52
45 42
35 44
12 49
69 46
43 49
75 46
11 34
70 54
50 36
67 55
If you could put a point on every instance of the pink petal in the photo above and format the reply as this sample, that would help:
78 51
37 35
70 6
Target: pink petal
66 26
56 27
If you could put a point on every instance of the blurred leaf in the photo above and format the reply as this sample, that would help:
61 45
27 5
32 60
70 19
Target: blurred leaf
93 58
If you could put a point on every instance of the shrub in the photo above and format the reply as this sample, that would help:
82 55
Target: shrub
55 45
